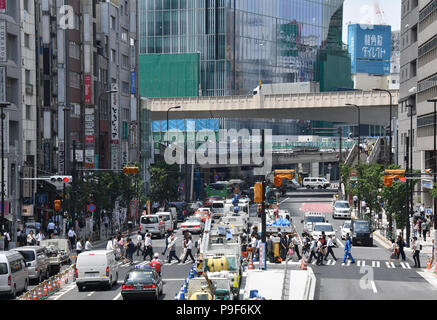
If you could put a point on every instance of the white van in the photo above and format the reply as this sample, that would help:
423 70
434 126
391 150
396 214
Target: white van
153 224
217 208
37 262
13 273
167 217
313 183
96 267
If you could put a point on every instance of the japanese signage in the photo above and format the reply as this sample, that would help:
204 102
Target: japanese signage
3 41
2 6
87 85
133 135
27 210
370 48
115 128
132 82
79 155
2 84
114 157
61 157
262 256
125 153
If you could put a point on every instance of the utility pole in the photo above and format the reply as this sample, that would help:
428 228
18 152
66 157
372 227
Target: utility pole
3 117
407 195
263 203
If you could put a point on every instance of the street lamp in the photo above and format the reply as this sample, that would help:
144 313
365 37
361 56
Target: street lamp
390 128
434 169
168 110
3 116
359 131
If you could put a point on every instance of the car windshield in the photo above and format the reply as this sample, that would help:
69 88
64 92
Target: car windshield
28 255
347 225
323 227
361 227
3 268
140 277
342 205
218 205
149 220
165 217
315 219
218 186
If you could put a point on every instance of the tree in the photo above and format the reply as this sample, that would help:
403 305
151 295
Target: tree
345 172
164 182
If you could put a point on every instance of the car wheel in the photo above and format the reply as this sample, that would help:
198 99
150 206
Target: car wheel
110 284
308 187
320 187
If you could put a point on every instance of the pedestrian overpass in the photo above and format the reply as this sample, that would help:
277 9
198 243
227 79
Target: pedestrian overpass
325 106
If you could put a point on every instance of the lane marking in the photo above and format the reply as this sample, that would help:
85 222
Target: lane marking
376 264
343 264
117 296
361 263
390 265
90 294
314 262
181 279
339 242
408 265
348 263
374 286
284 200
68 290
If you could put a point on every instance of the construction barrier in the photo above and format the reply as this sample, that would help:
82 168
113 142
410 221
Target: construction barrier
428 263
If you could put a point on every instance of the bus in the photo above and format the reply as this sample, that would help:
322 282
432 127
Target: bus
218 189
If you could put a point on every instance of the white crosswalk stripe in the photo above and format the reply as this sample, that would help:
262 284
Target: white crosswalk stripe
408 265
376 264
314 262
348 263
331 262
390 265
361 263
405 265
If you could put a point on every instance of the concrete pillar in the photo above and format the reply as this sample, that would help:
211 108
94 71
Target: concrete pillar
315 169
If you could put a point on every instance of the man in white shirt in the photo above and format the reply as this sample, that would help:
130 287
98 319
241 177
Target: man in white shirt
139 242
50 228
296 243
172 249
72 237
416 251
40 236
331 245
189 250
6 240
148 249
110 245
88 245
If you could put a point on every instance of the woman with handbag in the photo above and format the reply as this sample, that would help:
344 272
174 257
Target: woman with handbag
401 245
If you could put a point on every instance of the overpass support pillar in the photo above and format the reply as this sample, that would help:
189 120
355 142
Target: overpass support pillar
315 169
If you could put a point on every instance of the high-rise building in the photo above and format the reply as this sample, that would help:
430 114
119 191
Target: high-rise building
395 61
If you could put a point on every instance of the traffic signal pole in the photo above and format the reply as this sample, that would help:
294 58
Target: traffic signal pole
74 186
407 194
263 203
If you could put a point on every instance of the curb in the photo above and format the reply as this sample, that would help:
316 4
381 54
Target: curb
383 239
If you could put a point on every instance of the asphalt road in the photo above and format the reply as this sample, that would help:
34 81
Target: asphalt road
173 276
372 277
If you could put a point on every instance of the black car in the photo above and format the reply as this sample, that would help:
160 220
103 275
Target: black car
361 233
142 282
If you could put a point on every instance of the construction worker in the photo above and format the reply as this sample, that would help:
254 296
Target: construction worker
156 263
347 250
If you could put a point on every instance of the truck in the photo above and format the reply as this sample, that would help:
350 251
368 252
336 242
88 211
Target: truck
58 252
310 219
211 286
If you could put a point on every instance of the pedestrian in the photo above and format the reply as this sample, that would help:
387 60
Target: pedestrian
416 228
121 243
394 253
330 245
416 247
7 239
296 243
401 245
419 223
30 239
347 250
78 247
167 236
172 249
139 243
283 246
189 250
148 249
355 198
313 249
424 229
110 244
305 244
39 237
130 250
363 206
88 245
320 252
156 263
72 237
50 228
270 253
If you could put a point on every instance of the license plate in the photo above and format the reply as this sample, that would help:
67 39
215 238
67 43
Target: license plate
92 274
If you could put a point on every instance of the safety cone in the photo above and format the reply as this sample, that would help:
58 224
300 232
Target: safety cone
40 294
55 285
303 264
35 295
59 282
428 264
50 287
29 296
45 291
251 267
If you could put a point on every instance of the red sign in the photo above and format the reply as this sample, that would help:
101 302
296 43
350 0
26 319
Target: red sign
87 81
89 139
2 6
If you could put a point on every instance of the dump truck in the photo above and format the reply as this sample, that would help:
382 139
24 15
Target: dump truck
58 253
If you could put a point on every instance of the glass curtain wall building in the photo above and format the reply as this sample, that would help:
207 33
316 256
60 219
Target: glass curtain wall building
242 41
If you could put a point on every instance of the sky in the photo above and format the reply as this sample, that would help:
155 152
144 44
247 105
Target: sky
361 11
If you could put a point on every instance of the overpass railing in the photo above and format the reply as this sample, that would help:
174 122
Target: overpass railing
351 156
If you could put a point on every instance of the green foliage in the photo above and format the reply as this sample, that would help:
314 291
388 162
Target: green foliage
164 182
370 180
433 191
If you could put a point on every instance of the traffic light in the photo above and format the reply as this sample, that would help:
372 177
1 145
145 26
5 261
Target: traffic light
258 192
130 170
58 205
59 181
389 175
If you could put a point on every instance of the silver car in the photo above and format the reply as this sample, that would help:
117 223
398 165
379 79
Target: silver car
346 229
341 210
37 262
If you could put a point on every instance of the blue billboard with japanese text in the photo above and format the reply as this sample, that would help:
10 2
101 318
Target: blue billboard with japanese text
370 48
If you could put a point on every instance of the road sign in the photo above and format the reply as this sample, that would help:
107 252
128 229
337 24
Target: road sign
353 175
91 207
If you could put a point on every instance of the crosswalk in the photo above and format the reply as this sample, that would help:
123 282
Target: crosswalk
142 263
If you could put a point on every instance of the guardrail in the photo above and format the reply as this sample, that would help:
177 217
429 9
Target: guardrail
50 286
310 286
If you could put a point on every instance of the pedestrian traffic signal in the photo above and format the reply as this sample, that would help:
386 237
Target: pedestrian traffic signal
258 192
60 180
130 170
389 175
58 205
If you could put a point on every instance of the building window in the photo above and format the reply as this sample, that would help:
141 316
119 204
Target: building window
125 88
28 147
27 76
113 56
125 61
74 50
75 109
124 34
27 40
112 23
124 114
74 80
126 8
28 112
26 5
121 10
113 80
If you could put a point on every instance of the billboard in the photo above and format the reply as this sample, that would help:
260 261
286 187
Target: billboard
370 48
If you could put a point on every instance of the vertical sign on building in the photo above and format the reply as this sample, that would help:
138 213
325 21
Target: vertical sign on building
89 138
115 127
2 6
87 85
3 40
5 180
6 133
125 153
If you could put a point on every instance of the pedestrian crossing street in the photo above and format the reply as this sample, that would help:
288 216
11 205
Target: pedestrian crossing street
142 263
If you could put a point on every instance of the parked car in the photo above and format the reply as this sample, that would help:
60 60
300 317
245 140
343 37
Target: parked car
13 273
96 267
341 209
154 224
37 262
346 229
315 183
141 282
193 225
